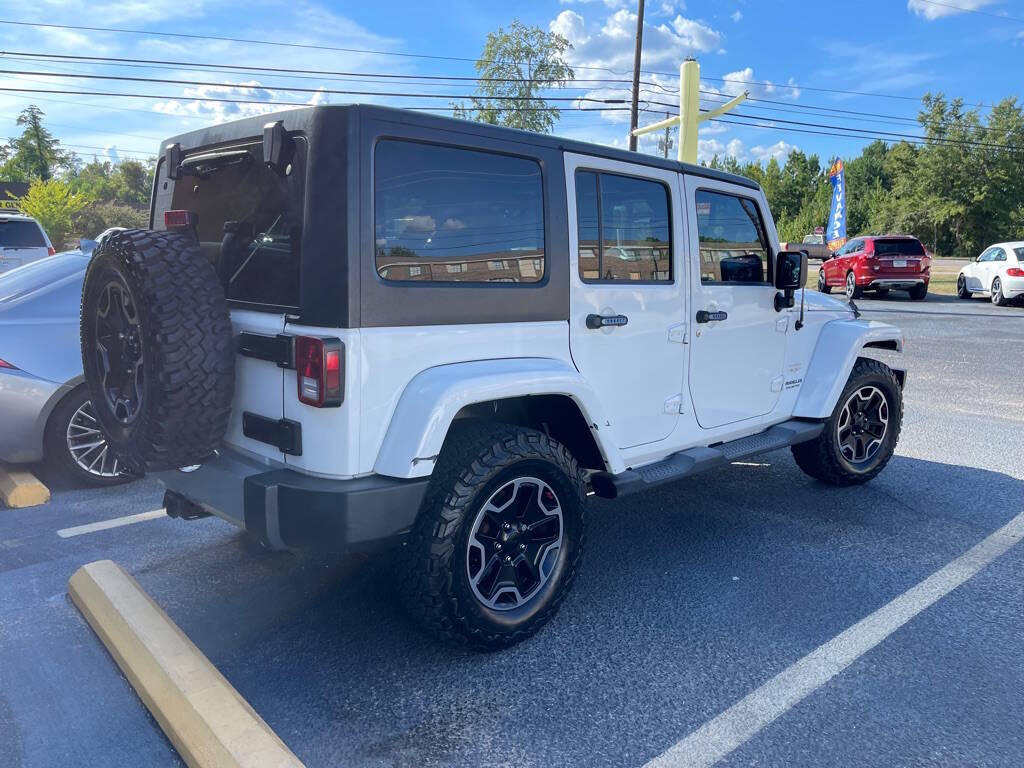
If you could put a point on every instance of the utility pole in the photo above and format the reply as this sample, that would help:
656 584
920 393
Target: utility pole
666 143
635 107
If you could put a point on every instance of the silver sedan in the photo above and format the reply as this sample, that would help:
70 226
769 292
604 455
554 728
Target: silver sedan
44 407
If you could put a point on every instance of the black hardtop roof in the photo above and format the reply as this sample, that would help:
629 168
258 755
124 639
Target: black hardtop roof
306 118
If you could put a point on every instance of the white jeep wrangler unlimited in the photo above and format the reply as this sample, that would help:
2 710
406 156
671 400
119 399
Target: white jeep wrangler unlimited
355 326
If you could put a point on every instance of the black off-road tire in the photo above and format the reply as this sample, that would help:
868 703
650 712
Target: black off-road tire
919 292
187 351
477 459
822 459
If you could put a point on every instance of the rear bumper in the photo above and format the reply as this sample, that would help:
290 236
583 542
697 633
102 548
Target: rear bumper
286 509
897 283
25 404
1013 287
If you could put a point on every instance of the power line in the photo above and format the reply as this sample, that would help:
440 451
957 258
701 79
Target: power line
250 41
973 10
297 89
199 67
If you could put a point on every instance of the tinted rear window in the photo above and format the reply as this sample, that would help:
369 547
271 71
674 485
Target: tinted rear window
21 234
445 214
899 247
1020 254
249 223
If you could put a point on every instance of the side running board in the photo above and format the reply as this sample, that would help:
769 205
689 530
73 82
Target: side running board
695 460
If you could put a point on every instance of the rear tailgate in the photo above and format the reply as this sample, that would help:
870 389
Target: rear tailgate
258 385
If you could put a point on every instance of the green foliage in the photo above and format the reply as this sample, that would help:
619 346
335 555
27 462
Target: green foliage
128 181
956 197
53 205
36 154
98 216
516 65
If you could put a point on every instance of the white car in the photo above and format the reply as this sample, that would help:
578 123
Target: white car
354 327
22 241
998 273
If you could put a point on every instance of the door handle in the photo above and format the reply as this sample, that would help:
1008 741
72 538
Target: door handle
605 321
703 316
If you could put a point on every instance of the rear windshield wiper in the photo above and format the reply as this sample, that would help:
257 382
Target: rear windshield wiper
207 163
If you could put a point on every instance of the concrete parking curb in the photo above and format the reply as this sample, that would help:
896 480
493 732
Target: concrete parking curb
206 719
21 489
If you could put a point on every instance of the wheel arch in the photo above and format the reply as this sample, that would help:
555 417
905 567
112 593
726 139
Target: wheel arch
543 393
840 344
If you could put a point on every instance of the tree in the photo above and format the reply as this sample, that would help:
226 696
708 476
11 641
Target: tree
515 67
128 182
53 205
36 154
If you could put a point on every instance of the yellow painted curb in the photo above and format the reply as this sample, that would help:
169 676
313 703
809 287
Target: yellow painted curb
206 719
21 489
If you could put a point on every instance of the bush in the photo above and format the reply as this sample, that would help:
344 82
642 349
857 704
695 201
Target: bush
96 217
53 205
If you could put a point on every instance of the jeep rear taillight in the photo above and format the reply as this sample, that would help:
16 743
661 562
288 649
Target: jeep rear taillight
177 219
320 371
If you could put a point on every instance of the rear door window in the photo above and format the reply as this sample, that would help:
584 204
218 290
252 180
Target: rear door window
623 226
447 214
16 233
250 220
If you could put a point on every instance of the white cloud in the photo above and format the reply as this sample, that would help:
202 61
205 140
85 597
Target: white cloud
742 80
610 44
202 101
736 16
709 148
932 11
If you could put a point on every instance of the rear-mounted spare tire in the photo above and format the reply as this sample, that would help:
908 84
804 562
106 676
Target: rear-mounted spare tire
157 348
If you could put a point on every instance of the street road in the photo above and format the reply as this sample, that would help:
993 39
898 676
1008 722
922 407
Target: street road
691 598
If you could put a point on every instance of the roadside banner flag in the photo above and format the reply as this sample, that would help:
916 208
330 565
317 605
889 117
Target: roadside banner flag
837 215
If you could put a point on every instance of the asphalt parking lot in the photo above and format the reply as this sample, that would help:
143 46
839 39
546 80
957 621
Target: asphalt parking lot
691 597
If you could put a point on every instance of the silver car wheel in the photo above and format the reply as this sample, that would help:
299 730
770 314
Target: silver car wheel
88 446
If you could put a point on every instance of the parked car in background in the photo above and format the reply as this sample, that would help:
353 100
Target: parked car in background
878 263
813 245
998 273
44 408
22 241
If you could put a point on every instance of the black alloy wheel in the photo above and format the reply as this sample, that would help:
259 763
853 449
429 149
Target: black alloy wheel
863 423
118 346
514 543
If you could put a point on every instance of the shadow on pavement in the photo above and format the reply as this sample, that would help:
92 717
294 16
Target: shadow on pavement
690 596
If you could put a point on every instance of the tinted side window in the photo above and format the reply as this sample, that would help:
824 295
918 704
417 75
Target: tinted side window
623 228
444 214
733 242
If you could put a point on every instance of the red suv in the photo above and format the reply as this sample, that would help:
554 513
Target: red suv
878 263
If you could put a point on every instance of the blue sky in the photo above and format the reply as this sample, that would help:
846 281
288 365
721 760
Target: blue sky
782 50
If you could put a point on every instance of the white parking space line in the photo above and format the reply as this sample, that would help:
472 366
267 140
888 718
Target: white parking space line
744 719
117 522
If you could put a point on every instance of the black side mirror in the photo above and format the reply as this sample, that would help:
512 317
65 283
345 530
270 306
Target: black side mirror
790 275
